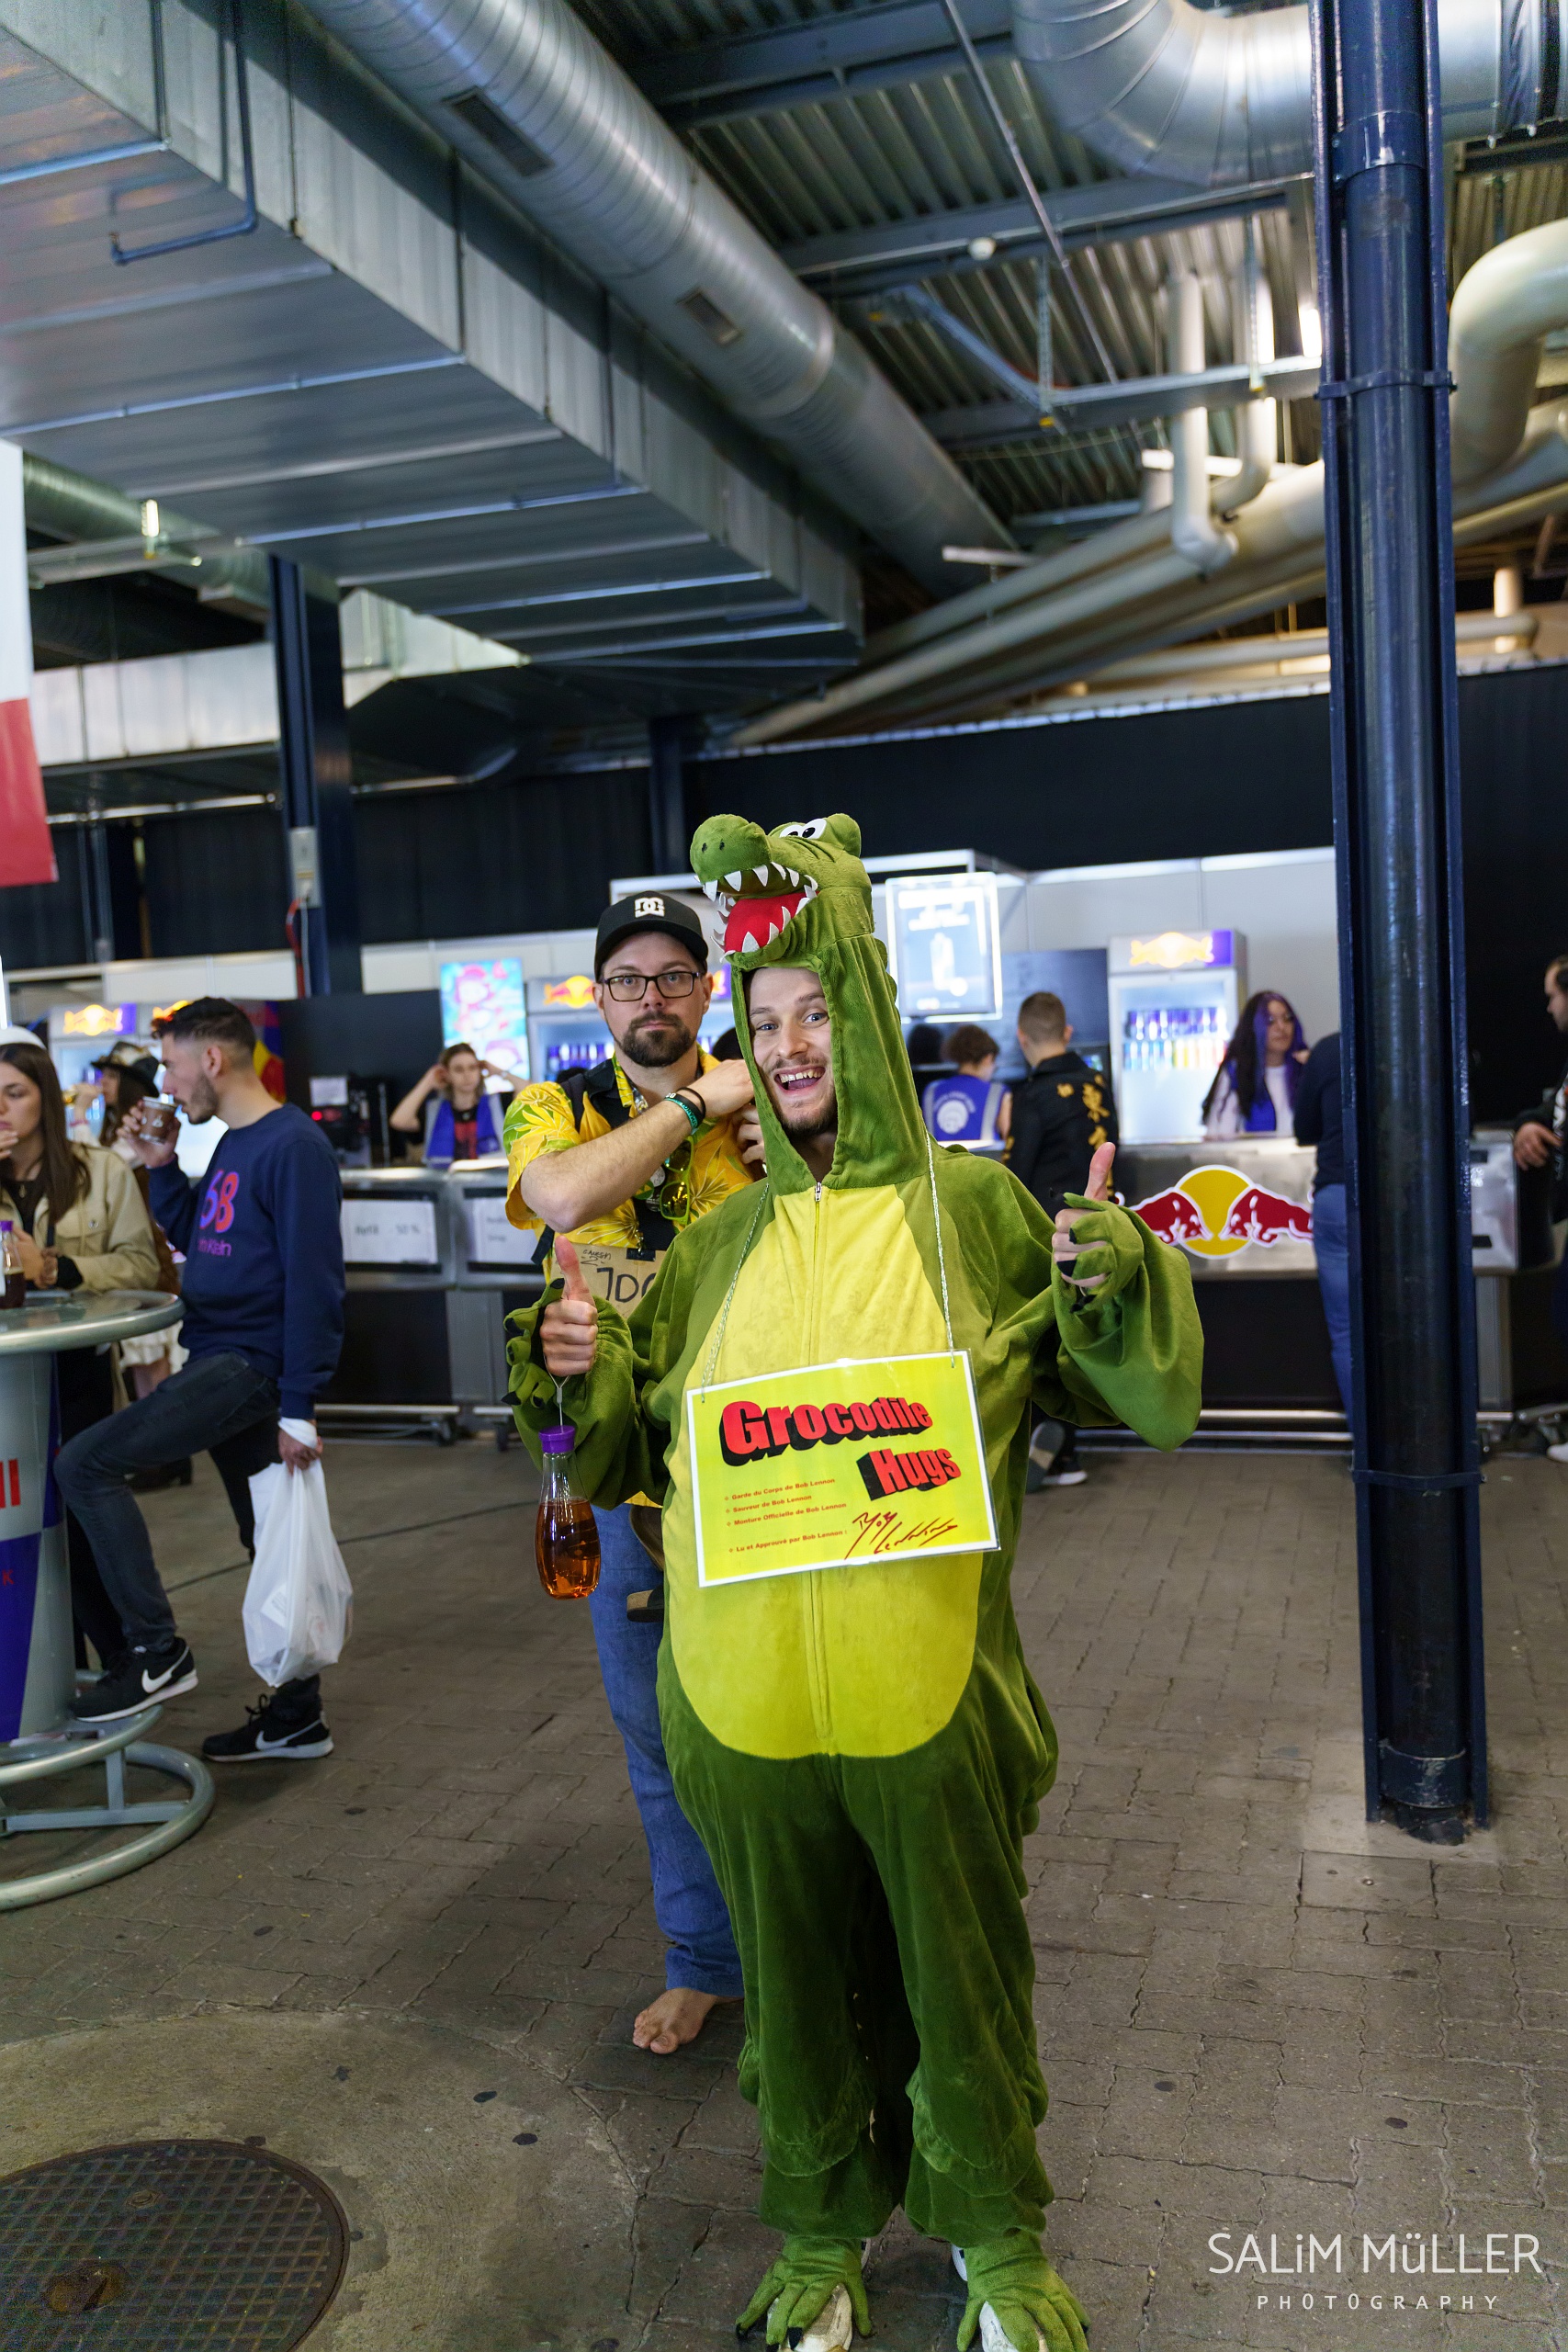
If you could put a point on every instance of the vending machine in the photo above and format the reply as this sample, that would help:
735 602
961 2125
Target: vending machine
1174 996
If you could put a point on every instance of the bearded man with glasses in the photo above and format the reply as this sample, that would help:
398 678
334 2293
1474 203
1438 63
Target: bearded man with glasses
609 1164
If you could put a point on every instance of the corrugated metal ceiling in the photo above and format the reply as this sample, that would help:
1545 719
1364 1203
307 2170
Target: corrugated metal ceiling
927 146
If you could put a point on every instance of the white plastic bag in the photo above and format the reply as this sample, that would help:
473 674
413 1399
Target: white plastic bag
298 1602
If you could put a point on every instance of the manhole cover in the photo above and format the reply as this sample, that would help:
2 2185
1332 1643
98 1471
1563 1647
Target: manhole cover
166 2245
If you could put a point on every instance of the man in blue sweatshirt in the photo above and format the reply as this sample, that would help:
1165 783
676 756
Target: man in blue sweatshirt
263 1290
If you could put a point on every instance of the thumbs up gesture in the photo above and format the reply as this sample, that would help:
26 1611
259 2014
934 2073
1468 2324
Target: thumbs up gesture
1065 1251
568 1330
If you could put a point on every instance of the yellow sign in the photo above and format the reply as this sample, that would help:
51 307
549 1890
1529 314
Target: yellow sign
1173 951
575 995
837 1463
95 1020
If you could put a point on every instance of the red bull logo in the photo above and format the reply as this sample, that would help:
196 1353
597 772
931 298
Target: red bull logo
1215 1213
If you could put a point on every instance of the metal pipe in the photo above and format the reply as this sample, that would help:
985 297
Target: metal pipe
1394 745
528 98
1280 553
1191 93
69 506
1252 337
1504 307
1139 535
1269 652
1193 531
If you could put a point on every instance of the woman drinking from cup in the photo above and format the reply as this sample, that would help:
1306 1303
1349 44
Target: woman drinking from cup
78 1223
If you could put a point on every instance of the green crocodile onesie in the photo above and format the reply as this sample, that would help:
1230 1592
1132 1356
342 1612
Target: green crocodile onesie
862 1748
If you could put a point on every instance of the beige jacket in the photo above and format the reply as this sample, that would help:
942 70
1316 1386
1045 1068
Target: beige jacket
108 1232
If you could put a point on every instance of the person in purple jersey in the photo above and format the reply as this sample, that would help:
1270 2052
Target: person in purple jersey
263 1291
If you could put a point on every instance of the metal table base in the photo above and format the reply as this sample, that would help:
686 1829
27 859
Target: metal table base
25 1761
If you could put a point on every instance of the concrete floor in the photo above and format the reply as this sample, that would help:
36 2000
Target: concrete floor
413 1967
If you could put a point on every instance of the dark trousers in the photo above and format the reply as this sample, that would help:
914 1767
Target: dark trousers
86 1395
218 1405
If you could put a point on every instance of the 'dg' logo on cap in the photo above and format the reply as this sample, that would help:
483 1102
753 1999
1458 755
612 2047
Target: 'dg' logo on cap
642 907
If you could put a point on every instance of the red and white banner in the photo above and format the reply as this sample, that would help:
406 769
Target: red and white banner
26 854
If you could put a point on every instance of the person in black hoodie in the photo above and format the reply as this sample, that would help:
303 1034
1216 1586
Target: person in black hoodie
264 1286
1061 1114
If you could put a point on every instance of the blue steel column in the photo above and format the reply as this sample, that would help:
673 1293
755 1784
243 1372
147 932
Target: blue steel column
315 772
1394 734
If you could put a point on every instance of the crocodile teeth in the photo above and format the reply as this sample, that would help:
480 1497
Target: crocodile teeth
736 879
711 889
762 873
791 876
774 930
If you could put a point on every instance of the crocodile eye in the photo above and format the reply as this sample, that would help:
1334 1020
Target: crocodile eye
812 830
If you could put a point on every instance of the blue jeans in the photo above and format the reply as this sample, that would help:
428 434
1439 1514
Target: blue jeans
1330 1240
686 1900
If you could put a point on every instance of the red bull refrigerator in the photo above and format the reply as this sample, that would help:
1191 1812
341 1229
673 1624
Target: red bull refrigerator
1174 996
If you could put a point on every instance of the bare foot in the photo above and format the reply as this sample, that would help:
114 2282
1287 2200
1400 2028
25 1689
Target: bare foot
675 2018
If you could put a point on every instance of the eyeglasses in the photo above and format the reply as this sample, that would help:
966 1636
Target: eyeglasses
627 988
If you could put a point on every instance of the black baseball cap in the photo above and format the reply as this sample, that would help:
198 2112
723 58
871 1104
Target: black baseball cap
649 910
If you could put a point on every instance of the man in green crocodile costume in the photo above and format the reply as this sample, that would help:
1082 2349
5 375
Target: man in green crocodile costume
862 1748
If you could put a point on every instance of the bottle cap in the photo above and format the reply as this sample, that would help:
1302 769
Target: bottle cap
558 1440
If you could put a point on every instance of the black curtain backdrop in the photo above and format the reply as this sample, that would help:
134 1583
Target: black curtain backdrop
538 854
216 884
1235 777
533 856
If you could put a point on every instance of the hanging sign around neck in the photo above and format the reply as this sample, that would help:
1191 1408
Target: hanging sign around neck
873 1459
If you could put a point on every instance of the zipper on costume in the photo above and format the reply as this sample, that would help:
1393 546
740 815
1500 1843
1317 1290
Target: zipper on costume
812 1594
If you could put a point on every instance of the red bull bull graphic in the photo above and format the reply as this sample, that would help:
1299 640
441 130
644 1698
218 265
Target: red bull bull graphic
1218 1212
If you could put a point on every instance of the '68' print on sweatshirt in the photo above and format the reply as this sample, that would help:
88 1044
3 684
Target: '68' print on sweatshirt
263 1243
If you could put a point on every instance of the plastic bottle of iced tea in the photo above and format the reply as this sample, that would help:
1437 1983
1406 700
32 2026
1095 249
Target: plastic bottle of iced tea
566 1539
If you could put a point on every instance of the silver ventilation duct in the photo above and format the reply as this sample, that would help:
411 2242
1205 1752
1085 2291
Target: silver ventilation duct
1159 86
527 95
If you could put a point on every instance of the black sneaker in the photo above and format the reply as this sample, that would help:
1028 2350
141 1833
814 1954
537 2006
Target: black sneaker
142 1679
1062 1468
263 1735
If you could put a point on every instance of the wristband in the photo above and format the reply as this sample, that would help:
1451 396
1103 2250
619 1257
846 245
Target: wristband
693 1115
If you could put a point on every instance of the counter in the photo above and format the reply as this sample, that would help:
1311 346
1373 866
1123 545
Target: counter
1242 1210
434 1269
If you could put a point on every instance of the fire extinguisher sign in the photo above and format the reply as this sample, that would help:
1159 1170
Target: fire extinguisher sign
837 1464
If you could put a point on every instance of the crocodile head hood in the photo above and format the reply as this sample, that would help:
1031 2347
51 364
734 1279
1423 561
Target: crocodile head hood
799 895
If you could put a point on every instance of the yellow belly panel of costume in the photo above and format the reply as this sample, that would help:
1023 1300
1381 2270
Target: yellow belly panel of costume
868 1659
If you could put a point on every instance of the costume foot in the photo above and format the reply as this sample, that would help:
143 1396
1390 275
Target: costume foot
814 2296
1016 2302
675 2018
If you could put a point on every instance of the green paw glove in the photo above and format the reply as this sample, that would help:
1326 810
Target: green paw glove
1013 2275
799 2283
1111 1249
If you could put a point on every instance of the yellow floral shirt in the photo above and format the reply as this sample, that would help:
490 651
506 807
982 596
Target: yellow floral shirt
540 1120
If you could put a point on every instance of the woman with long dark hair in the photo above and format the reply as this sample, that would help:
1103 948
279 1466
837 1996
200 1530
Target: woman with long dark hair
80 1224
1254 1092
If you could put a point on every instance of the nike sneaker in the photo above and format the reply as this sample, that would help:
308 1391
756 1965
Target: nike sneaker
264 1734
139 1679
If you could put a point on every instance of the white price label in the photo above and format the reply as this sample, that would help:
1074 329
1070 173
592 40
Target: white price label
493 1239
388 1232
